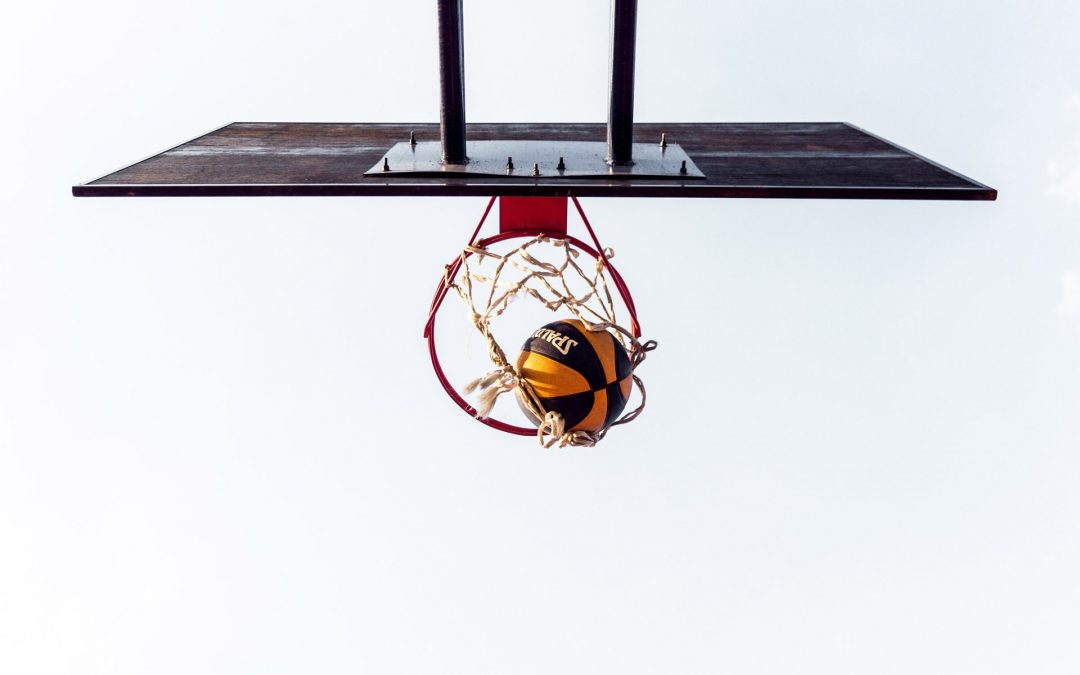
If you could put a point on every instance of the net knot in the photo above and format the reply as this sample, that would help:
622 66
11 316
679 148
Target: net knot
490 387
552 425
638 355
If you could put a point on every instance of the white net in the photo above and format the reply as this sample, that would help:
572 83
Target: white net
548 270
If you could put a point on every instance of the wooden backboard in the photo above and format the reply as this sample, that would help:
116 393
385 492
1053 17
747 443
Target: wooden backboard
771 160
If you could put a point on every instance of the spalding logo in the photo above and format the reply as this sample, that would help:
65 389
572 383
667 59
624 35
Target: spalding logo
559 341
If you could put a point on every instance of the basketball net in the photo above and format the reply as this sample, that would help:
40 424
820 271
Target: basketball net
519 272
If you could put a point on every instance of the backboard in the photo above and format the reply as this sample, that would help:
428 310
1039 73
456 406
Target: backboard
771 160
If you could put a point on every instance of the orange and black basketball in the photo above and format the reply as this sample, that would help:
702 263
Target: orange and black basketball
583 375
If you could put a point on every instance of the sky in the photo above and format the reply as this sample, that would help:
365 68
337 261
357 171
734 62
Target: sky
222 448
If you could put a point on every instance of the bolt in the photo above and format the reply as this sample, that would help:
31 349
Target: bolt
682 169
385 164
509 164
536 169
412 138
663 141
562 165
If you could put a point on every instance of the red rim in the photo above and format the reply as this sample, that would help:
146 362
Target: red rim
452 271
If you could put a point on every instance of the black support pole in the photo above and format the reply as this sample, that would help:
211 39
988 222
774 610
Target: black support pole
451 82
620 131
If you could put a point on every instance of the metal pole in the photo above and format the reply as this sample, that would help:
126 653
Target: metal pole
451 82
620 131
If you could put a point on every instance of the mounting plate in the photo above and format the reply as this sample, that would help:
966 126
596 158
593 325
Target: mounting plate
537 159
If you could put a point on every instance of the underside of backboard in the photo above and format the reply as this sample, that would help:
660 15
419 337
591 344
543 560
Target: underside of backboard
772 160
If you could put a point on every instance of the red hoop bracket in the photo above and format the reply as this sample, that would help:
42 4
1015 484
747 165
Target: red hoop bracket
543 214
536 214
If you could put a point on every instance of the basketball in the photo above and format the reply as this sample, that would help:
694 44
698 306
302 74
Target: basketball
583 375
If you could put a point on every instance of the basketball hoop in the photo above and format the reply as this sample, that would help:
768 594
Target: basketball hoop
539 221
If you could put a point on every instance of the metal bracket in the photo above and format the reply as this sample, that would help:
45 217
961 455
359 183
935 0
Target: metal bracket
537 159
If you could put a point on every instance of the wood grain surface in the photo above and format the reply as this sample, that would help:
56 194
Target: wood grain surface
774 160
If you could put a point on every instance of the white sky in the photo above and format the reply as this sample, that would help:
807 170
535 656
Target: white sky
222 449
